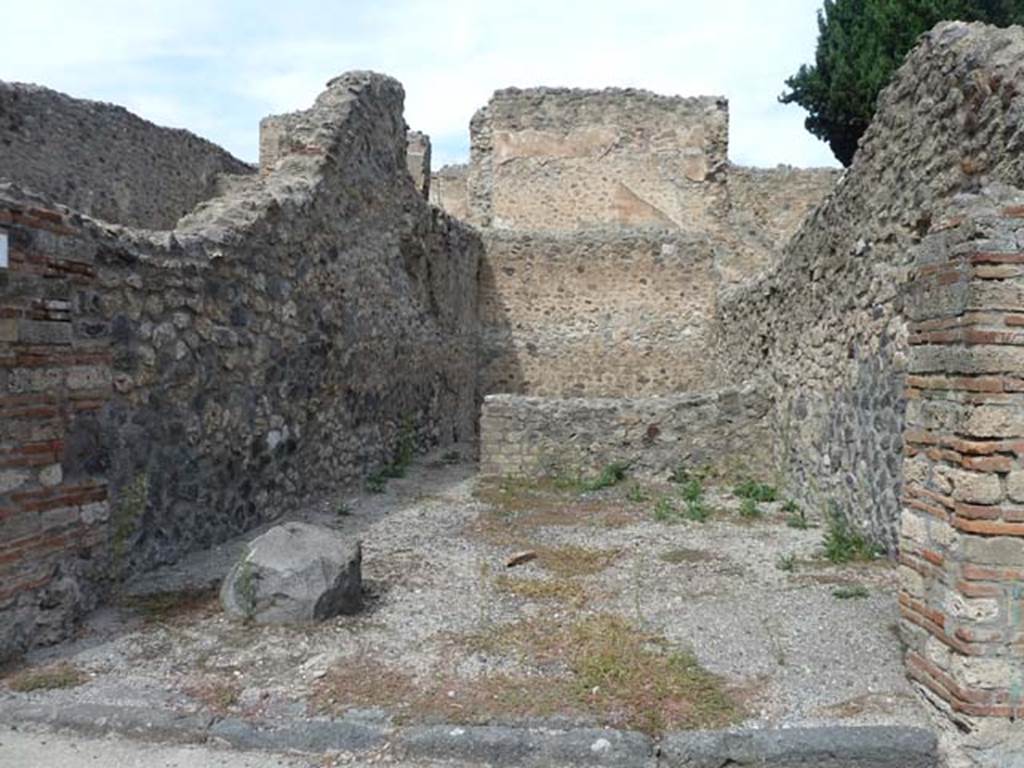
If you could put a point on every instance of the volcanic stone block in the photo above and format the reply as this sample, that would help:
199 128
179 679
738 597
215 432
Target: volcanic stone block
293 573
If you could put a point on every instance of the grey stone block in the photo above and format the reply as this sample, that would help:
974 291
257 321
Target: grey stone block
299 735
134 722
828 747
506 746
293 573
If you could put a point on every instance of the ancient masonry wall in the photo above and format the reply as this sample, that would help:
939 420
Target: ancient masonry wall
766 207
827 326
164 390
603 312
104 161
770 204
549 158
608 233
725 429
962 532
448 190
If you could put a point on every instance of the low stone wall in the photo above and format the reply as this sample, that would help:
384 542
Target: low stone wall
104 161
597 313
163 391
962 531
726 430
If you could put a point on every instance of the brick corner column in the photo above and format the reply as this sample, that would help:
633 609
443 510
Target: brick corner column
962 520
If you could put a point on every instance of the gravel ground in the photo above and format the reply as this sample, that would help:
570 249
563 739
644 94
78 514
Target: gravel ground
32 748
435 545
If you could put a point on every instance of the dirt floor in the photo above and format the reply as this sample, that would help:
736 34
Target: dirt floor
651 606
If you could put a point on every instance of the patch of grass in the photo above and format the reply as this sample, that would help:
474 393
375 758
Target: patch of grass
749 509
343 510
751 489
682 555
63 674
786 563
216 693
513 495
360 682
161 607
574 560
850 592
637 494
451 457
844 544
627 677
518 505
563 590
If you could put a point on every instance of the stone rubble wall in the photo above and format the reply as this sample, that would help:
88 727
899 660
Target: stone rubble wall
962 528
560 159
772 203
766 207
585 291
826 326
162 391
726 430
448 190
104 161
596 313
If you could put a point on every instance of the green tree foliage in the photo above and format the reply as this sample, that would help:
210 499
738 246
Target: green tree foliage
860 44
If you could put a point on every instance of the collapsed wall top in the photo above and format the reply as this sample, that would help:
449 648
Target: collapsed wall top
104 161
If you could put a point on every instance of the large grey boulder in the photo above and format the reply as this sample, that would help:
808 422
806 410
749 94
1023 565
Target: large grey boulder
293 573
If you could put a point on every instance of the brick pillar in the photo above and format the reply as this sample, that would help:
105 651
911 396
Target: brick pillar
55 372
962 526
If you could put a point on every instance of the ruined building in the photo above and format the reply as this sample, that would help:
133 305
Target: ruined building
189 345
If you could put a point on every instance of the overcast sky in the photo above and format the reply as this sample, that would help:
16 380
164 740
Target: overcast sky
217 67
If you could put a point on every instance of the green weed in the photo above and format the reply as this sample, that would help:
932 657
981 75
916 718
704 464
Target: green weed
749 509
692 489
786 563
612 474
697 510
637 494
850 592
844 544
665 511
751 489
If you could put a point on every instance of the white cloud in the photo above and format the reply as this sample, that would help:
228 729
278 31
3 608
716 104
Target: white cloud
217 67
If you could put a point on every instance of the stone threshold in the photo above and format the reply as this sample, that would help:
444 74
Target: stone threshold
526 747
